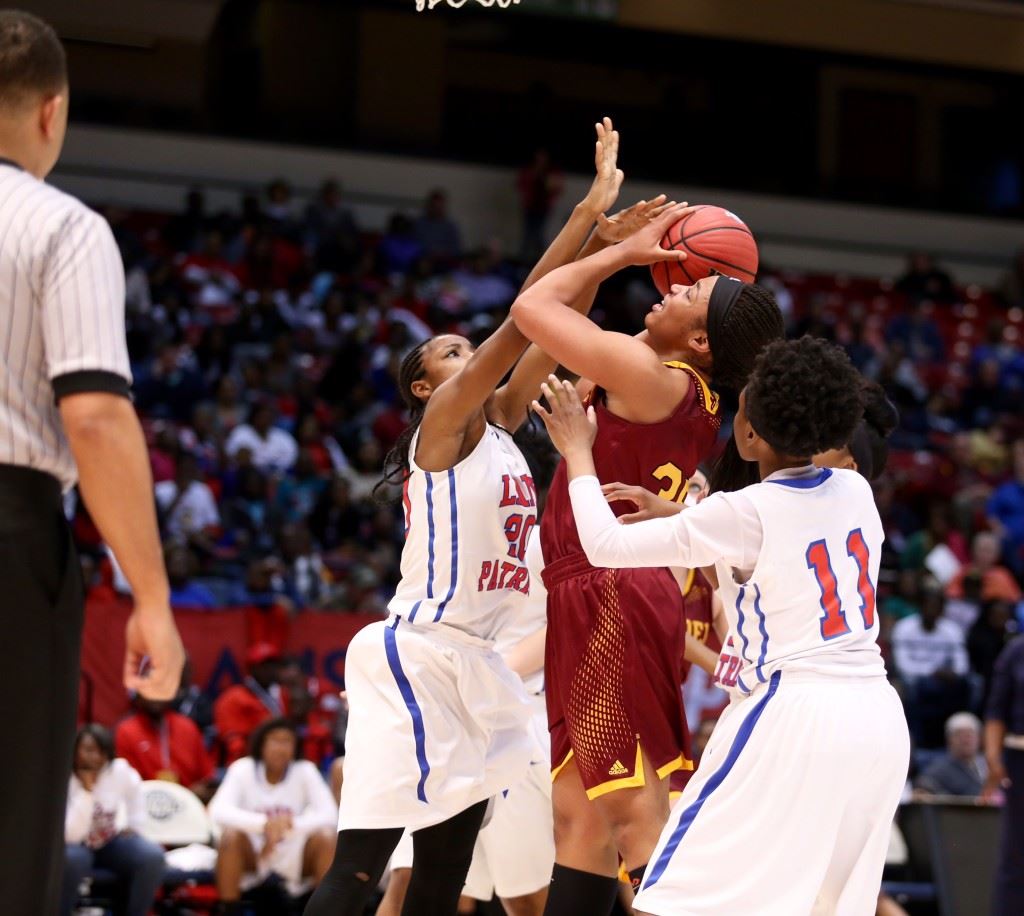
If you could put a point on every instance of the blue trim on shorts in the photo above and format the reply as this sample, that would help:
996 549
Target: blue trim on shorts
430 546
805 483
688 816
739 623
453 499
391 648
764 634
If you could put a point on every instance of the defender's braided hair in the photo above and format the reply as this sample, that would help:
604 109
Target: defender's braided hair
752 321
396 462
869 445
804 397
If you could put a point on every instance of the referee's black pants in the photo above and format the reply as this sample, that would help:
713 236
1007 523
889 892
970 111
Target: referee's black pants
1009 885
41 625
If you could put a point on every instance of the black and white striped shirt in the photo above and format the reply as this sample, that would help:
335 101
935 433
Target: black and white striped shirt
61 317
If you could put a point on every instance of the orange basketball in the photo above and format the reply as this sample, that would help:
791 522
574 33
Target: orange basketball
715 241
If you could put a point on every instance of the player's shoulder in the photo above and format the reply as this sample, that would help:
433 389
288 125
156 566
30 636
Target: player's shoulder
42 201
123 771
243 767
703 394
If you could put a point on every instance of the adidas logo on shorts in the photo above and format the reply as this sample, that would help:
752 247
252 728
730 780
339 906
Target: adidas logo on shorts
617 769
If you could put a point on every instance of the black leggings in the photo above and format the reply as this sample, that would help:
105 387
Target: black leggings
441 857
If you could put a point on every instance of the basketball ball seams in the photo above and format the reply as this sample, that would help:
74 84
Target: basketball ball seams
726 253
693 235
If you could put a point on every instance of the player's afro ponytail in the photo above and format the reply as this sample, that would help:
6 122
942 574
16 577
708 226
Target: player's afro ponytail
804 397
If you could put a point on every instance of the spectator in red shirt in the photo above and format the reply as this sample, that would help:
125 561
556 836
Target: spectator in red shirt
240 709
163 744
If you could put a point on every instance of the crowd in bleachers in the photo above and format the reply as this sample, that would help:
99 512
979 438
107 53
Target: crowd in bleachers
264 347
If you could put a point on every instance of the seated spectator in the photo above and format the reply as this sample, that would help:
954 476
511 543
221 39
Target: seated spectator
331 227
299 492
186 504
931 660
240 709
163 744
961 770
939 533
987 638
273 450
905 600
184 592
924 280
279 210
247 515
436 230
306 578
482 287
335 518
171 387
212 280
101 786
313 709
918 333
277 817
399 248
997 583
265 586
229 408
1006 512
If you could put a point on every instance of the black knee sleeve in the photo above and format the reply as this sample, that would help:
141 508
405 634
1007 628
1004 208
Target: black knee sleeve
441 857
580 893
359 860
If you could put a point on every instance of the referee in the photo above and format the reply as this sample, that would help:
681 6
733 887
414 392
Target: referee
65 416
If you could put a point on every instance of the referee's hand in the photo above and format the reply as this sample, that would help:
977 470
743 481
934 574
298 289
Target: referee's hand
152 636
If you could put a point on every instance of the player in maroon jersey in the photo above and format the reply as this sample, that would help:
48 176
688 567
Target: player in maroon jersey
615 637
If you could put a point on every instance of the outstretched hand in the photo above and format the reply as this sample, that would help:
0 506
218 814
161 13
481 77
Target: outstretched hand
622 225
608 178
572 430
647 504
644 246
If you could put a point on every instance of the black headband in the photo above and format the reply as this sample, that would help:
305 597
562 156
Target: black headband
724 294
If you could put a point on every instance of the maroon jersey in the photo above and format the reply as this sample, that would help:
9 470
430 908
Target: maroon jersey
660 457
697 610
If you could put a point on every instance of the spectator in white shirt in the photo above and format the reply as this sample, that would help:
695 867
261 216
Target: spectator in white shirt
273 450
103 792
930 658
187 506
277 814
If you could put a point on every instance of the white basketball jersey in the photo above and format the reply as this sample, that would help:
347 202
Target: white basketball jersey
809 604
467 530
530 616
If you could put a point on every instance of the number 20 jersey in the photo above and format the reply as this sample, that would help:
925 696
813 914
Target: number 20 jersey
809 603
466 532
660 457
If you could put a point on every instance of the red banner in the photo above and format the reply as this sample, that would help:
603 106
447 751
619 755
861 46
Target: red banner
216 642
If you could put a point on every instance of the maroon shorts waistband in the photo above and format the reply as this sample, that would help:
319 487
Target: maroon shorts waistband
568 567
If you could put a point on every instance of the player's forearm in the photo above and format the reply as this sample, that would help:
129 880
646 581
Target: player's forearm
700 655
117 486
566 245
609 544
564 285
995 733
527 656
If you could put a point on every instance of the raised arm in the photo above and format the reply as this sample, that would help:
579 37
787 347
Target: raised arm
617 362
700 536
512 401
